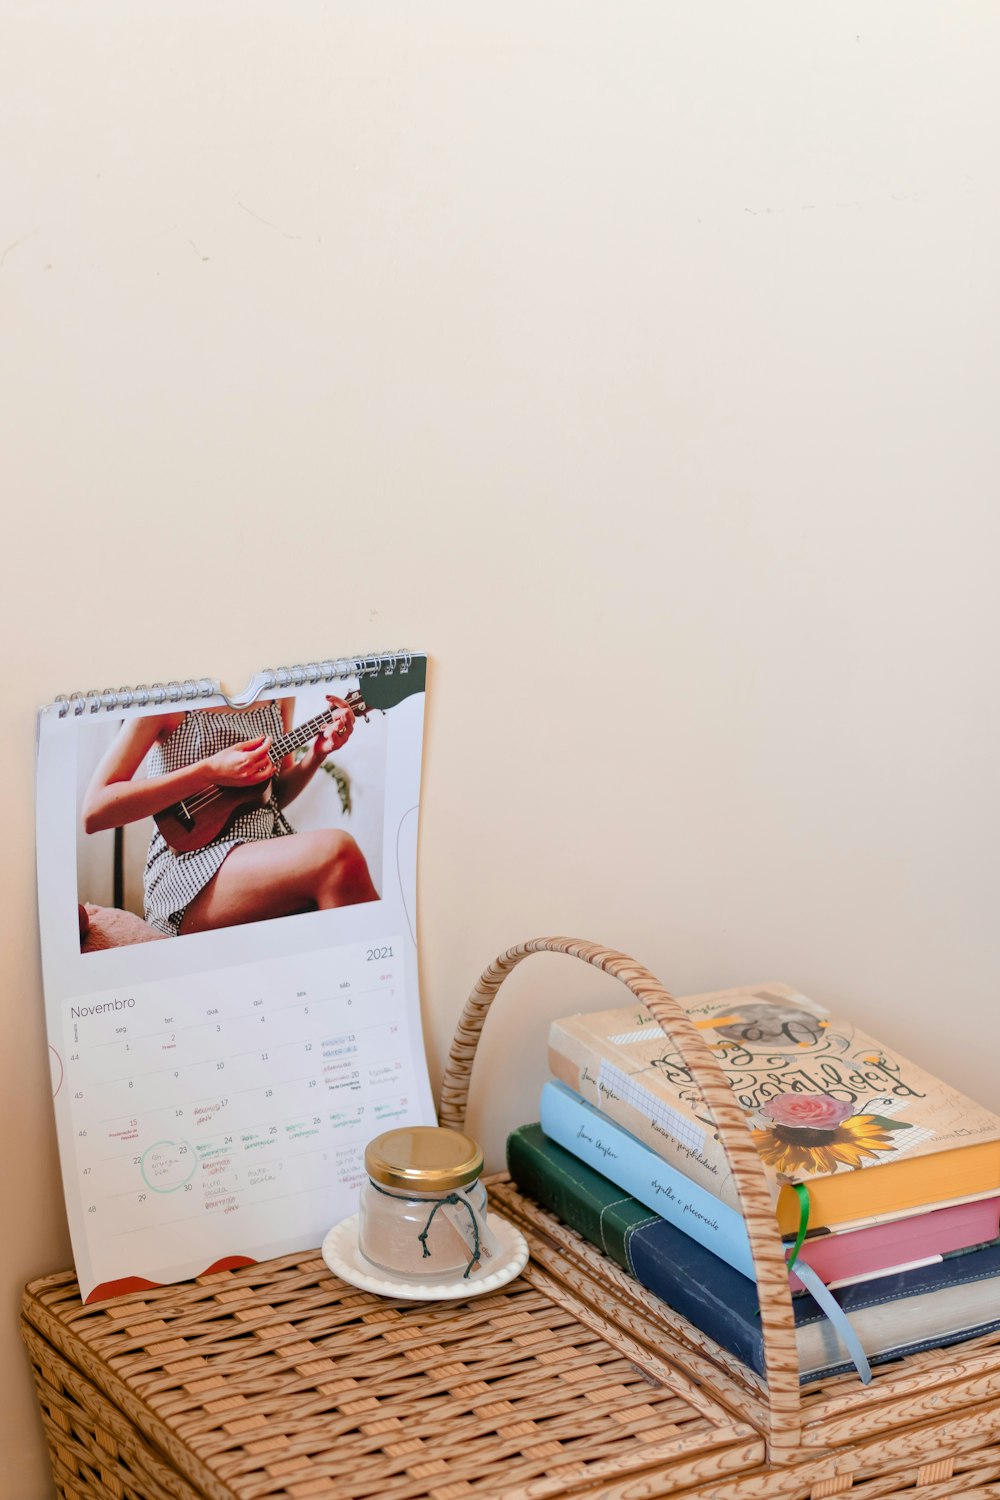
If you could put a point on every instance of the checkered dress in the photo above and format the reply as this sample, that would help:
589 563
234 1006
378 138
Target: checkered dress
173 880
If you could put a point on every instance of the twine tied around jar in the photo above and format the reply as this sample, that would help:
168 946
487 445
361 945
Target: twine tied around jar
454 1199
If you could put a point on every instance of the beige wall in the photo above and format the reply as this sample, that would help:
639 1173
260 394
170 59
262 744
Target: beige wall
637 361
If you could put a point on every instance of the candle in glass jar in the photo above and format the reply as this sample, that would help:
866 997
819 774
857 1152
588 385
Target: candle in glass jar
423 1208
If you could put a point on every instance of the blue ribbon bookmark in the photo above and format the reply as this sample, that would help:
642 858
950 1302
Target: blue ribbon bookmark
841 1322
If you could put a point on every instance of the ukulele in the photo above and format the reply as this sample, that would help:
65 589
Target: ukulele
205 814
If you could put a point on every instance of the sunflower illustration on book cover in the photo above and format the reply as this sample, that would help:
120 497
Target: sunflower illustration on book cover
813 1134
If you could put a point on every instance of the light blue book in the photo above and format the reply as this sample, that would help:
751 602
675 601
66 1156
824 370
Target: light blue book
592 1138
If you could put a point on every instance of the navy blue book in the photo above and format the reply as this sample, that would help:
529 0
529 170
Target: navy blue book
923 1308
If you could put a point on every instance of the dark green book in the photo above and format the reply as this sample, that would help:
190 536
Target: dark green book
575 1193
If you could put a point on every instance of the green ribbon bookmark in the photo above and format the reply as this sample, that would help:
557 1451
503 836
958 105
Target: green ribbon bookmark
802 1193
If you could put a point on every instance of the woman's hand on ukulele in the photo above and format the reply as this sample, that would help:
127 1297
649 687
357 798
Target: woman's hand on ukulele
339 730
242 765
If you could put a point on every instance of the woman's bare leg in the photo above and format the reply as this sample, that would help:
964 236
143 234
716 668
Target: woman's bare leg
278 877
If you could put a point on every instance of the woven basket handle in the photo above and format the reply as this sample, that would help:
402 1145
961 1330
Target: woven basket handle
780 1354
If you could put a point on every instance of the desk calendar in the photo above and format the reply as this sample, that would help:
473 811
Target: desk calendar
221 1054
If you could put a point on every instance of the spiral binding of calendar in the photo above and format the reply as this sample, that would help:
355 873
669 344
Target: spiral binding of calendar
190 690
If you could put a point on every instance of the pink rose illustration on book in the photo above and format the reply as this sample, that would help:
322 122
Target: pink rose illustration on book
814 1134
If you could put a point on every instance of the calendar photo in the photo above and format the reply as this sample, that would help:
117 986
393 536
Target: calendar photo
192 820
231 992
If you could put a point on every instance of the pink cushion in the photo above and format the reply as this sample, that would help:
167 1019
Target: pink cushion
107 927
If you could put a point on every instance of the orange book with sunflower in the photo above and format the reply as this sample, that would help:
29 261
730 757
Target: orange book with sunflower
871 1135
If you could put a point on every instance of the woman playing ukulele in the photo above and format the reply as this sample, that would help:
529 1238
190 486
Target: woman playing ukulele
258 867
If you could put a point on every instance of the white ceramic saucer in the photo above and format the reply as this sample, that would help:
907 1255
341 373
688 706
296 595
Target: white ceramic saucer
341 1253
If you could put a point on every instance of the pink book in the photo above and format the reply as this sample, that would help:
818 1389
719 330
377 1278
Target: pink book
882 1247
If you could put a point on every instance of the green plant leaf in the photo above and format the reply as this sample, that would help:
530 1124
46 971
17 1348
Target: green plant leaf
343 784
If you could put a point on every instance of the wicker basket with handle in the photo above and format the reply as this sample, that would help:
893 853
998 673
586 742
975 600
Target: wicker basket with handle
780 1357
278 1380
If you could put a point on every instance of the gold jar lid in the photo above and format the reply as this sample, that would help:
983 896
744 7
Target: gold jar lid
426 1158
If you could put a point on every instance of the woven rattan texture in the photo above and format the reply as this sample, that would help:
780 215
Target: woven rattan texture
277 1380
96 1452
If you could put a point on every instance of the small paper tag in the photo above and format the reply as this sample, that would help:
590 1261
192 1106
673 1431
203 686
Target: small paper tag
459 1218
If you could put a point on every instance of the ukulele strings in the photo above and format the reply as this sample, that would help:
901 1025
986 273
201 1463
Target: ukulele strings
291 741
212 794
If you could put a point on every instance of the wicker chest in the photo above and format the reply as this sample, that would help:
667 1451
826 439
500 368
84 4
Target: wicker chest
278 1380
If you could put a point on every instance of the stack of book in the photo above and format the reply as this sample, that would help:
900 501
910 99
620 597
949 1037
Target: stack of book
886 1183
